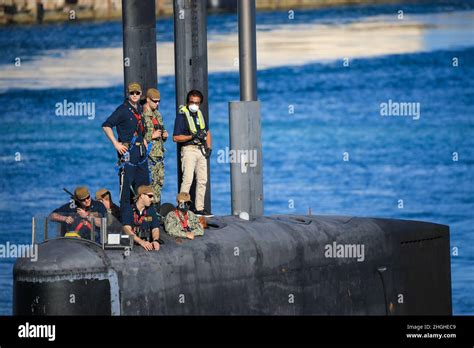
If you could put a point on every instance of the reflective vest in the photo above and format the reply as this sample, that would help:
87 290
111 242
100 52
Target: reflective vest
190 119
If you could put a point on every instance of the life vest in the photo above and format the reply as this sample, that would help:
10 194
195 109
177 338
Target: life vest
77 231
155 122
137 224
184 223
138 117
190 119
139 122
81 224
137 218
125 158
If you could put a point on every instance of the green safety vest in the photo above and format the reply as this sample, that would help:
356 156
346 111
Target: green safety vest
189 118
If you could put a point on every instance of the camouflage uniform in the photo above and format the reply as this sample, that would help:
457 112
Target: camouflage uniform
156 164
174 227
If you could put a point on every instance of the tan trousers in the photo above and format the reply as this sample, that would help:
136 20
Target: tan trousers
193 161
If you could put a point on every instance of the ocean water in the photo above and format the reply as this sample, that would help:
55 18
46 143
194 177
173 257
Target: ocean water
315 113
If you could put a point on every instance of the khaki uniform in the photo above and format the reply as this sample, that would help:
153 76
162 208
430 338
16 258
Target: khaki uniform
192 160
174 227
156 162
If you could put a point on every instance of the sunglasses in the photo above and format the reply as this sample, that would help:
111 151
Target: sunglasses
156 101
85 199
150 196
135 93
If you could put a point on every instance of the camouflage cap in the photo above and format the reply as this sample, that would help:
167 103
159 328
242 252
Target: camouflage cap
101 193
144 189
183 197
81 192
153 93
134 87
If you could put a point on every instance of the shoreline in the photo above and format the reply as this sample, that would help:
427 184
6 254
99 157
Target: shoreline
282 46
54 13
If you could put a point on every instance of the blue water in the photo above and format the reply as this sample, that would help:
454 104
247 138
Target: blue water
336 110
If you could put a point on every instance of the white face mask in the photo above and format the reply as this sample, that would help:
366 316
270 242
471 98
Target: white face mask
193 108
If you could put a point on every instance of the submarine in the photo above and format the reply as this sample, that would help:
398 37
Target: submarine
246 263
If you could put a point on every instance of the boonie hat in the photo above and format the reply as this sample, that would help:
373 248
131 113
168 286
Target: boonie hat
81 192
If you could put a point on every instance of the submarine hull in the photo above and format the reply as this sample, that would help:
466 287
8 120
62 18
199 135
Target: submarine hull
278 265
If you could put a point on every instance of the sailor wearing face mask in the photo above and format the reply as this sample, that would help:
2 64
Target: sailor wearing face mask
181 222
192 132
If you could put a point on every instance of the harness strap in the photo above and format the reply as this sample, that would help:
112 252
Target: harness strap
121 164
138 117
138 218
83 223
184 222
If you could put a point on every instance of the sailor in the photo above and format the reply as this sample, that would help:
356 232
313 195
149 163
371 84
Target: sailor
113 211
80 216
131 147
181 222
141 220
156 134
192 132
